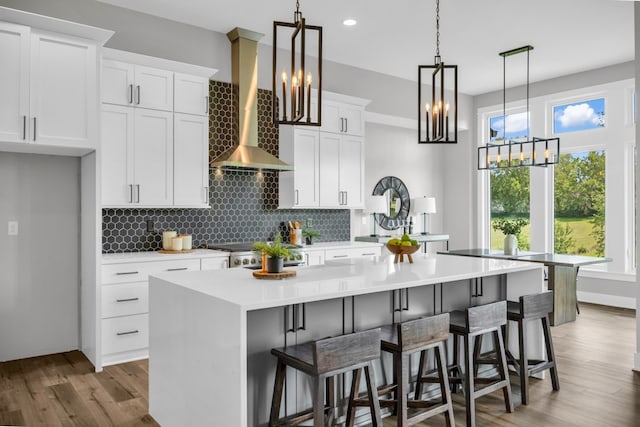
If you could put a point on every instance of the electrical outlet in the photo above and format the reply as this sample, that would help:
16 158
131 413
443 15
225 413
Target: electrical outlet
151 227
13 228
309 222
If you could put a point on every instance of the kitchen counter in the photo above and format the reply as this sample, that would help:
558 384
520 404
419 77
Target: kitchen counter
211 331
125 257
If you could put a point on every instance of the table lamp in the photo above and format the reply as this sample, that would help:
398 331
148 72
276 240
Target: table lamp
424 206
374 205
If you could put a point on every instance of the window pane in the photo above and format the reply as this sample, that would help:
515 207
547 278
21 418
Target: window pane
578 116
516 127
510 200
580 204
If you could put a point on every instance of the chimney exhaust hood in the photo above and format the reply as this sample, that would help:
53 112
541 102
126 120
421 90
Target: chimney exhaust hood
244 71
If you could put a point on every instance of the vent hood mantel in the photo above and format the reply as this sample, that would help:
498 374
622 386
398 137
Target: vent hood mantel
244 76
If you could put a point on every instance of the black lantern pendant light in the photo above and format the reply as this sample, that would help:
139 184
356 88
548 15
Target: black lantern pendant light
438 107
505 153
295 81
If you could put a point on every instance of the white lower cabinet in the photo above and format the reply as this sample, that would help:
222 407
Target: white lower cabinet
125 304
344 253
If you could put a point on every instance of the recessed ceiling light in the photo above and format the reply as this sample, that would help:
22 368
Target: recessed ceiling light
349 22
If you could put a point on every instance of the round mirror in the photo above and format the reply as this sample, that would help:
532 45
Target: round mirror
398 200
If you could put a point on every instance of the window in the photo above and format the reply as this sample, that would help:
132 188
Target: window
579 202
509 199
578 116
516 126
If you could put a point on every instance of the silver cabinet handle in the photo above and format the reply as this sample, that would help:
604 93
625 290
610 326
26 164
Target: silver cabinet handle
125 273
206 105
137 193
131 94
138 90
35 122
127 333
24 128
127 299
346 125
178 269
130 193
406 298
340 256
346 198
297 198
206 195
341 124
369 254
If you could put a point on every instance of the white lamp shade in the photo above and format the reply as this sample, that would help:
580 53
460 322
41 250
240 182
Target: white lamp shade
424 205
377 204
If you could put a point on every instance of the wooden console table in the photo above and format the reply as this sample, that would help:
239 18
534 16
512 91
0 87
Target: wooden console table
562 276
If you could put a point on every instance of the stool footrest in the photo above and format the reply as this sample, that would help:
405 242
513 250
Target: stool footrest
491 388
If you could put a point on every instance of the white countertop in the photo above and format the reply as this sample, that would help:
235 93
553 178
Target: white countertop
126 257
337 279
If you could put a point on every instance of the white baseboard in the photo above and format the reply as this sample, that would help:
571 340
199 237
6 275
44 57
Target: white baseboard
605 299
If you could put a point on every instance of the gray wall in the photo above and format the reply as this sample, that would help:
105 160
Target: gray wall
39 284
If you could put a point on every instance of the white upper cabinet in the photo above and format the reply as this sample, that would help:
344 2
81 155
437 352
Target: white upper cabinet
191 94
191 173
341 171
137 86
14 82
343 118
299 188
48 86
117 155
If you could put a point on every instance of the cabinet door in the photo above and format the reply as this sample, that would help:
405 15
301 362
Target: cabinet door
314 257
331 118
353 116
191 94
191 160
14 82
306 164
329 182
153 88
117 155
63 91
351 173
153 156
117 82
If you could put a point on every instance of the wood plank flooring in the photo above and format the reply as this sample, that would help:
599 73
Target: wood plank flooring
595 355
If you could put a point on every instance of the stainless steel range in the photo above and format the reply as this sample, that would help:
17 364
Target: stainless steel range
242 255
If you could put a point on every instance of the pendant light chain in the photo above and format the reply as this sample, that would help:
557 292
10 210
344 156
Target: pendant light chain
437 58
297 15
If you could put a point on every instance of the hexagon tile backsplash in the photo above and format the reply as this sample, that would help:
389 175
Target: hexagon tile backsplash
243 203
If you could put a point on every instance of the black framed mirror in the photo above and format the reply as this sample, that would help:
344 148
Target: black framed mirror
398 199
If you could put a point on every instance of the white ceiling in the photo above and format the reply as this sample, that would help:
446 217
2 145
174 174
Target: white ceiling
393 37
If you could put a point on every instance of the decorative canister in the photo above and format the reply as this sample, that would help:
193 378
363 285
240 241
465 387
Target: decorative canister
187 242
167 235
176 244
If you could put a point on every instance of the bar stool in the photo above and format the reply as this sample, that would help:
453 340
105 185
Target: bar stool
322 360
469 324
532 307
402 340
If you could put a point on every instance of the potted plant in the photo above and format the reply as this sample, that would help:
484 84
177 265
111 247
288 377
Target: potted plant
309 234
511 228
275 253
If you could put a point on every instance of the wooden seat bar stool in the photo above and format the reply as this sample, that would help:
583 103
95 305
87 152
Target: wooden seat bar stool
322 360
469 324
402 340
533 307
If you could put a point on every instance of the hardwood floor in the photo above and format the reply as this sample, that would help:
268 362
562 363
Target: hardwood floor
595 355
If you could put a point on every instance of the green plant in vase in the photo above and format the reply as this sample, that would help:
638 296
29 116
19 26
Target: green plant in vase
275 251
309 234
511 228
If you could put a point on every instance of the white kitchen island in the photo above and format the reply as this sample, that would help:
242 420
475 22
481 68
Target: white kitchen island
211 331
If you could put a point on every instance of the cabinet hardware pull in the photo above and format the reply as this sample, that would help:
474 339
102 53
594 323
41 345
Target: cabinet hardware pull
130 193
34 128
137 193
138 90
369 254
127 333
341 124
340 256
346 198
406 298
297 198
125 273
206 106
206 195
346 125
127 299
24 128
178 269
304 317
288 328
393 302
131 94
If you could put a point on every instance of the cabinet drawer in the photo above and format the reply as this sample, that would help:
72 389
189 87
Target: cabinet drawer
125 299
126 333
214 263
140 271
331 254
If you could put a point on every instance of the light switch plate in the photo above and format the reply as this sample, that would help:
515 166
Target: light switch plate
12 228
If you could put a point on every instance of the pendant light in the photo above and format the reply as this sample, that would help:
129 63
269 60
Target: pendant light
296 80
506 153
438 106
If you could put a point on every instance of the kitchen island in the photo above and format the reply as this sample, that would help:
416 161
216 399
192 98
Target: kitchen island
211 331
